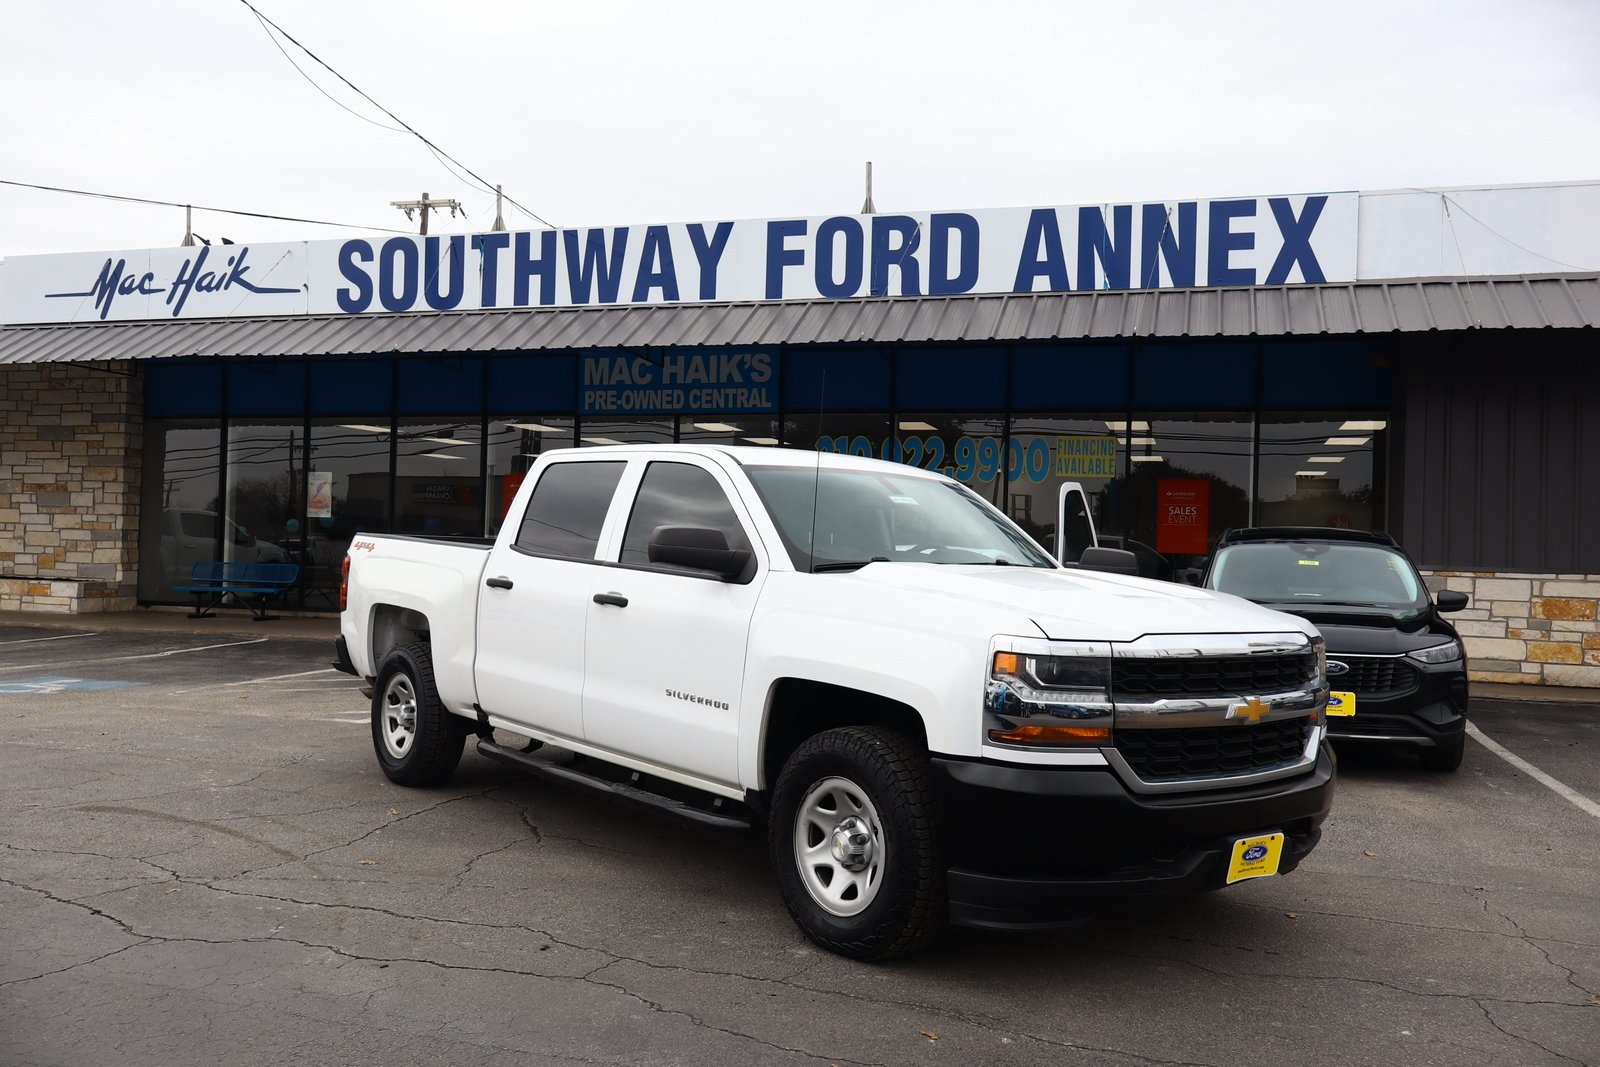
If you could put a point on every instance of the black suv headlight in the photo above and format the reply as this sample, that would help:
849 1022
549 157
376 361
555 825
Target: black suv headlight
1448 652
1057 696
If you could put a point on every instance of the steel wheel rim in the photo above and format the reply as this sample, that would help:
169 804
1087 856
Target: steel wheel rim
839 847
398 716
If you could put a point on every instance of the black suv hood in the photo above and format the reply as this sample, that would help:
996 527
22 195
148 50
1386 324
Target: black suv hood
1373 633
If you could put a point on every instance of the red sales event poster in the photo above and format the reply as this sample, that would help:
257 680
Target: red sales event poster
1183 515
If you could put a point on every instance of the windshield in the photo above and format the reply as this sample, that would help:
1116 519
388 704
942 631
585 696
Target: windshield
867 516
1312 573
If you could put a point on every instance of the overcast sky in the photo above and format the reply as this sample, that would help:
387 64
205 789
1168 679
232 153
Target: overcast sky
602 112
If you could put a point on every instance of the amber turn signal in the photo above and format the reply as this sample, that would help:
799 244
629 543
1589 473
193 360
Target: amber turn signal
1008 663
1053 735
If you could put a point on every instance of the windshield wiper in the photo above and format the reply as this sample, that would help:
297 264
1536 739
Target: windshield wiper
846 565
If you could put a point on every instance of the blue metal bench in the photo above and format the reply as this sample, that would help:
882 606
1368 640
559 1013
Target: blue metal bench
251 585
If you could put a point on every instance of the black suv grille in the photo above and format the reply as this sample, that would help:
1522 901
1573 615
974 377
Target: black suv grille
1375 676
1212 751
1211 676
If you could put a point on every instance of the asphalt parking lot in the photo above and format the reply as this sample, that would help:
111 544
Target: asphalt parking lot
200 863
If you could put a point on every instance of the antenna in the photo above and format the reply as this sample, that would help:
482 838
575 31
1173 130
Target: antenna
816 481
867 208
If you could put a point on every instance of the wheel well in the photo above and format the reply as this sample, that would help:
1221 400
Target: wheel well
800 709
394 626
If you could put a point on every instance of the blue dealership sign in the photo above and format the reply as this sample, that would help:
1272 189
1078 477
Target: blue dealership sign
733 381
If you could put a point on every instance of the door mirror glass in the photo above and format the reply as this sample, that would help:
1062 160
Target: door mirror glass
699 547
1110 560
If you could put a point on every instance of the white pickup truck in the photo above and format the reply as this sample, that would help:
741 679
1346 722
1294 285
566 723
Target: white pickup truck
935 720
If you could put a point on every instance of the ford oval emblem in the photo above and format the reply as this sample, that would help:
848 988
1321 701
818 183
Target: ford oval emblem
1254 853
1335 667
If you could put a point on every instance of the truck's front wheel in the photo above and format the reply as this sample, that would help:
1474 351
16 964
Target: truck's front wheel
854 838
417 740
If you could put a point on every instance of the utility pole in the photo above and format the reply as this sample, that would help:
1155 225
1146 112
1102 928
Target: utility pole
426 205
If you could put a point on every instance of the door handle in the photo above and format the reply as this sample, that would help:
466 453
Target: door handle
498 583
614 599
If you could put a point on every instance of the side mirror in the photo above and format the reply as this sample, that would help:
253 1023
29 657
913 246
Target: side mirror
1450 600
699 547
1110 560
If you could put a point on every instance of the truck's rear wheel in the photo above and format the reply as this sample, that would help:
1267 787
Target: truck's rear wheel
417 741
854 838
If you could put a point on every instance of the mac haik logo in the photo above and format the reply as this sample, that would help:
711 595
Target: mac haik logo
191 277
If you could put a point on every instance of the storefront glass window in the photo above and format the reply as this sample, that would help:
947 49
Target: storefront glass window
637 431
347 493
759 430
968 448
264 490
847 433
1047 452
1189 478
438 483
515 443
179 522
1319 469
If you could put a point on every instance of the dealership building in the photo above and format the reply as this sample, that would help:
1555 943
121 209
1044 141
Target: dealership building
1420 361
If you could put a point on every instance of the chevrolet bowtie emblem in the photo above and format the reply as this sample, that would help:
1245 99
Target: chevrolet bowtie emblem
1252 710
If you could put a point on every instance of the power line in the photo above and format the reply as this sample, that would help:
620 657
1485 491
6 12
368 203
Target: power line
199 207
408 127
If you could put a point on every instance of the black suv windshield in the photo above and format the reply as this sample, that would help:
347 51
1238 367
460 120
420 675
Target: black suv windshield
864 516
1309 572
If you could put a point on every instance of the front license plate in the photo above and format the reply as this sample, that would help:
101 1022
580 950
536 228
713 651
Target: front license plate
1255 857
1341 703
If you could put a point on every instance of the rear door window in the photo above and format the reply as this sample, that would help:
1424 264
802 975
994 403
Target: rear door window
568 509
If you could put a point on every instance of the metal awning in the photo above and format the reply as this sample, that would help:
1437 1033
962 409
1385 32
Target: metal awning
1567 301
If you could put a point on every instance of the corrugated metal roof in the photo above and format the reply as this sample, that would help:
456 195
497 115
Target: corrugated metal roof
1568 301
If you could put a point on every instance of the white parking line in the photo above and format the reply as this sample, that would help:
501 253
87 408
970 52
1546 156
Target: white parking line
1559 788
257 681
36 640
142 655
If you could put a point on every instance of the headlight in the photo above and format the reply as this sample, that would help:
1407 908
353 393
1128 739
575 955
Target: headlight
1448 652
1039 698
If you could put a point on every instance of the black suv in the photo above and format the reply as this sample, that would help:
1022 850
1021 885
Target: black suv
1396 668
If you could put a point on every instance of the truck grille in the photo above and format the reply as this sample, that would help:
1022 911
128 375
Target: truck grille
1211 676
1212 751
1377 677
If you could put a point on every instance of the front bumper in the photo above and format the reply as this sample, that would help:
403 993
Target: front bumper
1430 714
1048 847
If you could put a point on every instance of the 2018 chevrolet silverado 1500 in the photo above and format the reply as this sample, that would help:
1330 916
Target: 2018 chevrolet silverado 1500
935 720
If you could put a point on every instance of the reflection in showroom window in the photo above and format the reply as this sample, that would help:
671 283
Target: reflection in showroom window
515 443
1320 469
1046 452
968 448
1189 477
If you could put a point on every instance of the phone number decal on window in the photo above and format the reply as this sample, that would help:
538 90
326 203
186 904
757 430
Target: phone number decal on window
968 459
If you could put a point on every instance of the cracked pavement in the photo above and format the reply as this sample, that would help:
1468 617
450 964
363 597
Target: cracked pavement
203 869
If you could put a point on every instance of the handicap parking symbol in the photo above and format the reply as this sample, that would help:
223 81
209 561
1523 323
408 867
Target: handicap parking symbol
52 684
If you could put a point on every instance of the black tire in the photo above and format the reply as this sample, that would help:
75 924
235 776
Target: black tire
904 892
1445 756
427 752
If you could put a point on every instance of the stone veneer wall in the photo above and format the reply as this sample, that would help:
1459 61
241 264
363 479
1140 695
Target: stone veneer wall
1528 628
70 449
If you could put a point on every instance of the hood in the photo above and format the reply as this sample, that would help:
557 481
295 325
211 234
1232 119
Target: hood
1377 639
1083 605
1374 632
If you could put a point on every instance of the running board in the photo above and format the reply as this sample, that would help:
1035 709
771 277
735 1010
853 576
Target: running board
625 792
